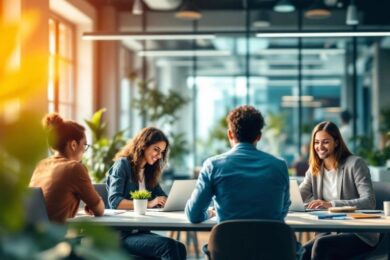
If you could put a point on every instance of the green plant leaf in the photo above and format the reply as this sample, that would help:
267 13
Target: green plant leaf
140 195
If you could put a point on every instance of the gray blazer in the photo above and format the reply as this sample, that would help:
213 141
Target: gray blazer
354 188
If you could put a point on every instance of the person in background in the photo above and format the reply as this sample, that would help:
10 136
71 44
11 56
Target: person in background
63 178
301 164
138 166
336 178
345 128
241 177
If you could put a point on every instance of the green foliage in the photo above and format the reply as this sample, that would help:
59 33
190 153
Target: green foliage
385 120
218 132
366 149
178 148
22 145
20 150
103 148
276 123
140 195
156 106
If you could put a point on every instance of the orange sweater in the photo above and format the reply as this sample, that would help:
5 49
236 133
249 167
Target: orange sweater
64 183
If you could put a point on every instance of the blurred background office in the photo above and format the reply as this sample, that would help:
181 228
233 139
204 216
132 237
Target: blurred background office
182 64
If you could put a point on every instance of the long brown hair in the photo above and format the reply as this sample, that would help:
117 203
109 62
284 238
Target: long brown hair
60 131
134 151
341 151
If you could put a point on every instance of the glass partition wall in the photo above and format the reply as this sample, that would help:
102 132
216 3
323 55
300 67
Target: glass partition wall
295 82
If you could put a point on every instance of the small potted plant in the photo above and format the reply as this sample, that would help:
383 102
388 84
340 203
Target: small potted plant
140 200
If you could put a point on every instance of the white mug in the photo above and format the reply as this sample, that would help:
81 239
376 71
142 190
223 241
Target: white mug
386 208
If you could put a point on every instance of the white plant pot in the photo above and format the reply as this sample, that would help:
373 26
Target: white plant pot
140 206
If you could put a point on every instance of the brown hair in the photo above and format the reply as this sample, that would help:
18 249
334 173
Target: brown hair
341 151
60 131
246 123
134 152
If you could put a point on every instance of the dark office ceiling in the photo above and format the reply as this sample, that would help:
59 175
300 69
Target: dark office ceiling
375 12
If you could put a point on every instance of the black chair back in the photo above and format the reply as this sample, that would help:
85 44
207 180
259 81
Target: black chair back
382 193
102 191
35 206
252 239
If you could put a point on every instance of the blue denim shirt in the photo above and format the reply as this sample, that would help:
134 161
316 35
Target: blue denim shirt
244 183
119 183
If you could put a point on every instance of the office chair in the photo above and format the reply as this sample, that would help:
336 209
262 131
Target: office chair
382 193
35 207
102 191
251 239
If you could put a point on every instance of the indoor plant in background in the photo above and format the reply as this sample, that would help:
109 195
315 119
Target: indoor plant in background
140 200
161 108
103 148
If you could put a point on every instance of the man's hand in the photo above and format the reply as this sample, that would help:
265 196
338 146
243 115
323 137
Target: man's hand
319 204
157 202
211 212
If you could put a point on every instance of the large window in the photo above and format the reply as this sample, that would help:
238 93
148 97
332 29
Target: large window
61 90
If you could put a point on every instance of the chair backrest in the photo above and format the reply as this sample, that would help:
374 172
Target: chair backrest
102 191
382 193
35 206
252 239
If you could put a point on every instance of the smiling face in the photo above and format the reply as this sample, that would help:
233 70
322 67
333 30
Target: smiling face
324 145
154 152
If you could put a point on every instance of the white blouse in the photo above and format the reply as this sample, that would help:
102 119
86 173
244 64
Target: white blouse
329 188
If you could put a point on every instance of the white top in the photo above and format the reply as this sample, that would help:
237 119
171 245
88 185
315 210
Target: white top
329 188
141 183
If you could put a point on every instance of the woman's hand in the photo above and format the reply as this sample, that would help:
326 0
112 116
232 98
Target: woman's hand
88 211
319 204
157 202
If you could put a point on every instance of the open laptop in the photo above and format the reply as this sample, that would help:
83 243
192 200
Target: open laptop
180 192
296 199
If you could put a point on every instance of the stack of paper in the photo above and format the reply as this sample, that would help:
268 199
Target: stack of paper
326 215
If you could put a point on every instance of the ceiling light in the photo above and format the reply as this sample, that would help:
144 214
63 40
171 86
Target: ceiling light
317 10
184 53
284 6
321 34
297 98
304 104
134 36
188 11
137 7
333 109
261 20
352 14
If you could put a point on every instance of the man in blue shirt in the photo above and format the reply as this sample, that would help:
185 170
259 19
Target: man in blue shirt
245 183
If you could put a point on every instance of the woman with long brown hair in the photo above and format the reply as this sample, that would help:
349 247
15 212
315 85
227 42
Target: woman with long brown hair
138 166
336 178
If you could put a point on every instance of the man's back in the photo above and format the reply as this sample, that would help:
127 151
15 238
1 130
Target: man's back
247 184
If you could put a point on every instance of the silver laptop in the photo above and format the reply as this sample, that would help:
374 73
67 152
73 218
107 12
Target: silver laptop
296 198
180 192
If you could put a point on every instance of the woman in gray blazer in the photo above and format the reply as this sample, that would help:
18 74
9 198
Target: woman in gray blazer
336 178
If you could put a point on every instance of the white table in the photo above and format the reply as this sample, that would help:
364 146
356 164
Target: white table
178 221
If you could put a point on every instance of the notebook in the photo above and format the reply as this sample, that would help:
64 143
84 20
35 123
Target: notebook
180 192
296 199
